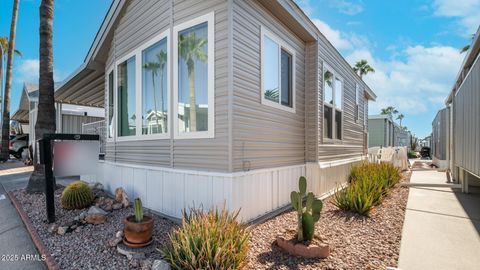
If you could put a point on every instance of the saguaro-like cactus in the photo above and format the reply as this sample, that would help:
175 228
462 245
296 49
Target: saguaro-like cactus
138 210
308 215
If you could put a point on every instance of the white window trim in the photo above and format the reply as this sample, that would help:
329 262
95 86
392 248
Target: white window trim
110 70
358 95
137 53
282 45
210 19
333 140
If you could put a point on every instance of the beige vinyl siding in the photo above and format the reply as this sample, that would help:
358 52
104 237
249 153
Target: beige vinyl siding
263 136
466 121
353 132
142 20
313 127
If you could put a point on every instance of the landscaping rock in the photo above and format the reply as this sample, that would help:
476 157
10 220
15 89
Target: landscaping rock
119 234
53 228
96 185
146 264
62 230
121 197
310 251
134 253
94 210
160 265
117 206
96 219
114 241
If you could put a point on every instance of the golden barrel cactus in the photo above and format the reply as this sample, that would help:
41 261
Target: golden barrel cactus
76 195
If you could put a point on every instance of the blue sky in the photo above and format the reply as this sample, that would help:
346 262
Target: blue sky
75 25
412 44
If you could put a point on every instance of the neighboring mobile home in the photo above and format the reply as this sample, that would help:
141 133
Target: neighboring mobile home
464 106
381 131
262 99
69 118
440 138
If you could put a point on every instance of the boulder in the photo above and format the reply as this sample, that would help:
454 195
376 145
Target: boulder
96 219
160 265
53 228
121 197
117 206
94 210
62 230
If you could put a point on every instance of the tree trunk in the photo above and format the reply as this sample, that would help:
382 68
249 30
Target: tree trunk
4 153
193 105
46 103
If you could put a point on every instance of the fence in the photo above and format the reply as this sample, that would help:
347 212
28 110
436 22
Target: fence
96 128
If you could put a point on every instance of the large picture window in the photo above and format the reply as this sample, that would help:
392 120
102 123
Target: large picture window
126 109
110 108
332 105
277 73
193 75
155 88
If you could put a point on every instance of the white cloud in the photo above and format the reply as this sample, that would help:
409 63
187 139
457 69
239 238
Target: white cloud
423 78
27 70
467 12
347 7
334 36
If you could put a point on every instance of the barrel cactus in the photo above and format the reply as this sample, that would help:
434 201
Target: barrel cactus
138 210
76 195
308 215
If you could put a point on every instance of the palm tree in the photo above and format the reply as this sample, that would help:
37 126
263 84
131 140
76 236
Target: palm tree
467 47
400 117
363 68
154 67
190 49
4 153
3 58
46 103
389 111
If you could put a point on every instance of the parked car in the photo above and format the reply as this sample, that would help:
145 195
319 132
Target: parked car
425 152
18 145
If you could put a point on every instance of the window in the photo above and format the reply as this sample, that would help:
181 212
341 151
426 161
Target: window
365 113
278 78
155 88
332 105
126 98
110 108
193 74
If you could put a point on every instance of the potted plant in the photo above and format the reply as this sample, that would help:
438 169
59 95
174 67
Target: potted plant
138 228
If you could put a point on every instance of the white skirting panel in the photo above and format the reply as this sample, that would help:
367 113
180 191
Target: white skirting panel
256 192
440 163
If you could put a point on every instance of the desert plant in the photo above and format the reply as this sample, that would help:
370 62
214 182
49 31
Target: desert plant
411 154
308 215
138 210
370 182
208 240
76 195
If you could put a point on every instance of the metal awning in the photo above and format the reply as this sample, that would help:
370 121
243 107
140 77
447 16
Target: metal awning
84 87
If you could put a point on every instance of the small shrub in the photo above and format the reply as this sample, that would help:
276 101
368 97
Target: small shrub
211 240
76 195
369 184
411 154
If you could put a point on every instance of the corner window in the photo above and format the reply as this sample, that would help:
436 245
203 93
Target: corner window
193 73
110 107
278 78
332 105
126 109
155 89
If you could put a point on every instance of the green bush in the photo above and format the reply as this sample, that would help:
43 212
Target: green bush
370 182
76 195
211 240
411 154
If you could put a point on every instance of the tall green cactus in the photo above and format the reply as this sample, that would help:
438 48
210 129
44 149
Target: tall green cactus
138 210
308 215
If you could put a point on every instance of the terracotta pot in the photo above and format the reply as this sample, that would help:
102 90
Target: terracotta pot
138 232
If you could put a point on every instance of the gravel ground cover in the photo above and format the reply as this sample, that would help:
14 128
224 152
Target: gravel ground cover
357 242
87 247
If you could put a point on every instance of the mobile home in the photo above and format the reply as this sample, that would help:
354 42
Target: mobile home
464 106
440 138
264 99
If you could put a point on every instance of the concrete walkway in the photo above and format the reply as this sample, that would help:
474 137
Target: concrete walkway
14 238
442 225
